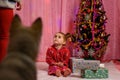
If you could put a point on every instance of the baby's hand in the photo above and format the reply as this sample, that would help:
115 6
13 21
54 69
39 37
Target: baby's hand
60 64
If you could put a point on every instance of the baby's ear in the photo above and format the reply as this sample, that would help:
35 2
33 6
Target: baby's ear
16 23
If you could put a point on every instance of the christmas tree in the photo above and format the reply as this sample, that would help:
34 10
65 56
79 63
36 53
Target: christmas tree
90 29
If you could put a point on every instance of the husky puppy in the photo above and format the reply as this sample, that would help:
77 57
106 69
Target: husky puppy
19 63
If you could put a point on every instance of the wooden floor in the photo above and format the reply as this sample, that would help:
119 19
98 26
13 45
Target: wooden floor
114 73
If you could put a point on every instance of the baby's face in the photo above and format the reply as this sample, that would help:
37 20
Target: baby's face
58 39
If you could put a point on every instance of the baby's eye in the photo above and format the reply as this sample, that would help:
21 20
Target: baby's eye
59 36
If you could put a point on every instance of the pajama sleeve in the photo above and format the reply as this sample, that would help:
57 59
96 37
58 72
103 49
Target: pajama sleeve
49 57
66 57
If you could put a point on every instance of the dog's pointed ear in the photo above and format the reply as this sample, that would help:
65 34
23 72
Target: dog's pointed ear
37 27
16 23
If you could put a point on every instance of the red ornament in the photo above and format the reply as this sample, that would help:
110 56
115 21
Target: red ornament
88 10
84 27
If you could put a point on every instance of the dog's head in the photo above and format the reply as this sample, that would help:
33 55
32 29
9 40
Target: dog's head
25 40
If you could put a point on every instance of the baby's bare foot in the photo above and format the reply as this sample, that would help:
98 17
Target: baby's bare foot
58 73
67 72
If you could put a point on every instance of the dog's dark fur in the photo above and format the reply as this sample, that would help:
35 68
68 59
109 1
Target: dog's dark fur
19 63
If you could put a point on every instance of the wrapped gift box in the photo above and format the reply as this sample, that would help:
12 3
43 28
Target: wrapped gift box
95 74
91 64
78 64
75 65
102 73
89 74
